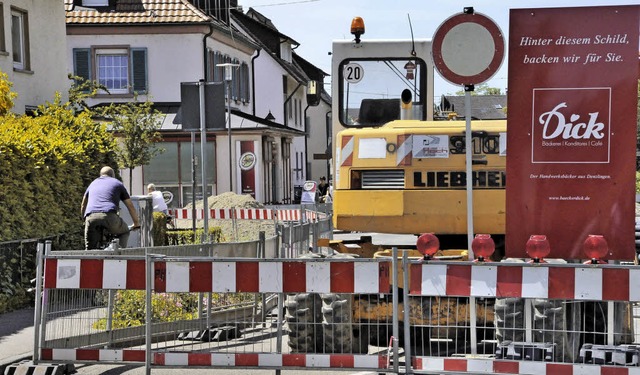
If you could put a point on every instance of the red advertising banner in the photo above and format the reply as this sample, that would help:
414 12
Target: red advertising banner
247 164
572 104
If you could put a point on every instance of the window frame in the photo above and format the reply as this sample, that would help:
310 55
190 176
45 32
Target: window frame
235 80
3 41
95 3
245 83
23 64
122 52
85 65
240 80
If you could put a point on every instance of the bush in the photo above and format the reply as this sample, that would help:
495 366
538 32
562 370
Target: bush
129 307
159 229
46 162
177 237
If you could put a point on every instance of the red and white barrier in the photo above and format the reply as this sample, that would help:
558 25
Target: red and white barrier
221 277
288 215
494 280
495 366
464 280
95 274
272 277
223 213
93 355
265 360
261 360
247 214
346 152
253 214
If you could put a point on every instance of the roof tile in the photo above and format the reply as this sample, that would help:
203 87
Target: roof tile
136 11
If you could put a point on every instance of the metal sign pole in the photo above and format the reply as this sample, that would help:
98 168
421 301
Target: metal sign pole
228 83
468 153
194 183
459 49
203 161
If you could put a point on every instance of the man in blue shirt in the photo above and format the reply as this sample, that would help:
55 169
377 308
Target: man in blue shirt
100 209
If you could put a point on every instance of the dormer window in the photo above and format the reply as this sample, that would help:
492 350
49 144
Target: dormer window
95 3
285 51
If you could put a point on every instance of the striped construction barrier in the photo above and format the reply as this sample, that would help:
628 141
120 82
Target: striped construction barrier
574 282
95 274
267 360
221 277
262 360
247 214
357 276
93 355
224 213
463 280
296 215
288 215
494 366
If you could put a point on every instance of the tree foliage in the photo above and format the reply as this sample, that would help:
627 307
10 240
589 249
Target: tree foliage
81 90
6 95
136 124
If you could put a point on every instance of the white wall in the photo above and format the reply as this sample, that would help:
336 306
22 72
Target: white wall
171 59
47 47
268 88
317 143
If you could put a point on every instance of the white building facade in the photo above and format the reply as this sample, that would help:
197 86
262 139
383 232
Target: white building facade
147 53
32 51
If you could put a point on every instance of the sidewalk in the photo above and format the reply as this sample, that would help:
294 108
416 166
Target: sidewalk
16 336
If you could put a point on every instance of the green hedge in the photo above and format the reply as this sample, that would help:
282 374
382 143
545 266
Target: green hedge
185 236
17 268
129 307
46 163
163 236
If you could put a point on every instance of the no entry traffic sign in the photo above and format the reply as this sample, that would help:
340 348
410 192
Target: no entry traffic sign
468 48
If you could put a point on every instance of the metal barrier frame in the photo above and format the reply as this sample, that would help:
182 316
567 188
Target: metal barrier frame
576 282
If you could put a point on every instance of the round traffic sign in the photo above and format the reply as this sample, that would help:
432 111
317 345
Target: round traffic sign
353 72
467 48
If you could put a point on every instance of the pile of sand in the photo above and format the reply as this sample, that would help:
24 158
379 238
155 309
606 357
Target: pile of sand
247 230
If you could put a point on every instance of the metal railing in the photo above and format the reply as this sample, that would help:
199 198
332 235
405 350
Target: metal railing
288 308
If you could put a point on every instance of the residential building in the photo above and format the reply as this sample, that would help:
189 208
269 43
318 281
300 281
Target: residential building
32 51
318 137
148 49
296 108
483 107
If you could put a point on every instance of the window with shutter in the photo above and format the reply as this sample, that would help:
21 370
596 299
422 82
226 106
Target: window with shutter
211 67
218 71
235 84
122 70
82 63
139 70
245 83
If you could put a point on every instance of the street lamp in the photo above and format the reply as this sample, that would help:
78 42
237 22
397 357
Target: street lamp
228 77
